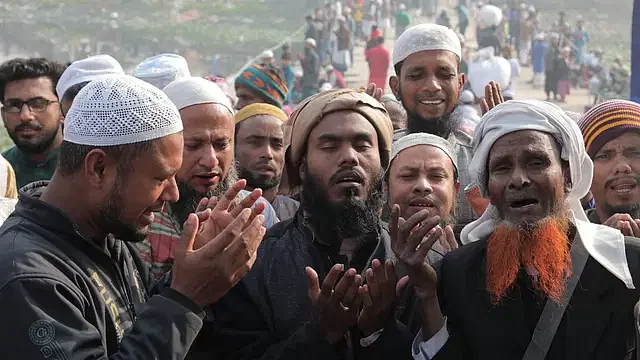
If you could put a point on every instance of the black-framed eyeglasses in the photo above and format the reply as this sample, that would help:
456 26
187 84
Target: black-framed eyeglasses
37 104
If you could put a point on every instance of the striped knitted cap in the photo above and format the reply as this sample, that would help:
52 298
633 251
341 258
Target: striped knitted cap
606 121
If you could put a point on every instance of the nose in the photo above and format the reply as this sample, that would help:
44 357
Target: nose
422 186
26 115
267 153
348 157
621 166
431 84
170 192
519 179
208 158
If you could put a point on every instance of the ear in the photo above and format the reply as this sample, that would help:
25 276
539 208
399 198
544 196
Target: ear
457 186
4 117
394 84
303 168
98 168
462 79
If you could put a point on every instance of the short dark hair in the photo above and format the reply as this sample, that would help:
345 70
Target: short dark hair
32 68
71 156
71 93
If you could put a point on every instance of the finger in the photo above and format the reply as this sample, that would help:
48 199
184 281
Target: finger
371 88
378 94
420 237
243 270
330 280
258 209
402 285
247 202
489 95
372 284
420 255
189 230
487 91
243 248
390 272
366 296
498 94
393 227
484 107
230 195
354 309
635 229
451 238
352 291
625 228
314 283
343 286
421 219
213 201
202 205
228 235
203 215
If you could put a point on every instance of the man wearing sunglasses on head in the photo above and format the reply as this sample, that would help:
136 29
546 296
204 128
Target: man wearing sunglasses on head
32 116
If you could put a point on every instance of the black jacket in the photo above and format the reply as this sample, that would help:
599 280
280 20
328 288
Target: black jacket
64 297
268 315
598 323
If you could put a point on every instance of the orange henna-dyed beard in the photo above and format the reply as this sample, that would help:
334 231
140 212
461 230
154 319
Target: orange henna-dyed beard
542 249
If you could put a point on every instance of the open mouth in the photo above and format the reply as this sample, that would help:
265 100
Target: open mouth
421 203
349 178
523 203
623 187
431 102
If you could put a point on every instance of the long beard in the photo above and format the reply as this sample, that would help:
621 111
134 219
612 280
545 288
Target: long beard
542 249
190 197
347 219
109 219
441 126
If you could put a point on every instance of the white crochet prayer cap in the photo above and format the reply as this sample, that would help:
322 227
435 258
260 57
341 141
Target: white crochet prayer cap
162 69
87 69
194 90
416 139
426 37
120 109
267 54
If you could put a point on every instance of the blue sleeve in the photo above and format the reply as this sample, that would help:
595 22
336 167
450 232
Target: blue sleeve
270 216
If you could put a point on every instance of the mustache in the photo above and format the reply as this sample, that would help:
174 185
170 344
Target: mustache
29 125
618 178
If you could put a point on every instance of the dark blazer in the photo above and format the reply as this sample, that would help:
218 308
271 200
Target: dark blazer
598 323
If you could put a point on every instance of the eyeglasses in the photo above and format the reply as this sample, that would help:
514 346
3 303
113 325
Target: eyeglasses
37 104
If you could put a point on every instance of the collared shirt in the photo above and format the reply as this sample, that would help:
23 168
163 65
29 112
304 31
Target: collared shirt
28 171
285 207
164 235
461 143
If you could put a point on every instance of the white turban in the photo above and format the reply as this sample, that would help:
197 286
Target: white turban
194 90
604 244
426 37
416 139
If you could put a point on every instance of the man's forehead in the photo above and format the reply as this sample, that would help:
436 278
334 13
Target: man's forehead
624 140
524 140
344 123
431 58
34 86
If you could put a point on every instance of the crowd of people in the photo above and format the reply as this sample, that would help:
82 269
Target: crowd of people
162 216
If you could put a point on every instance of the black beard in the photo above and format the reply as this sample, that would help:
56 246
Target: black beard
34 148
441 126
633 210
347 219
190 197
109 219
255 181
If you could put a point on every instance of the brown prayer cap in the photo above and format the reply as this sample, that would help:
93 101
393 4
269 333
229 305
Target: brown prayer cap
311 111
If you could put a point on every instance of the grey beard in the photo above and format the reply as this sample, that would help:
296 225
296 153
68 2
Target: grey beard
190 197
633 210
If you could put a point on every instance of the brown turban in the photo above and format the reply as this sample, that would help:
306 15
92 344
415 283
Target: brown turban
311 111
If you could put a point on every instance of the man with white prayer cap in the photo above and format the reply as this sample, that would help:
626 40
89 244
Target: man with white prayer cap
74 284
80 73
162 69
423 176
428 82
207 168
536 279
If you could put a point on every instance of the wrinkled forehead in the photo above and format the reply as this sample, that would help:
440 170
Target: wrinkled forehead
525 141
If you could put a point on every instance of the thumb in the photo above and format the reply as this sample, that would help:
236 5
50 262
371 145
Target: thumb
314 283
189 230
402 285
